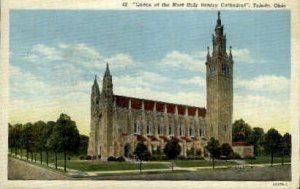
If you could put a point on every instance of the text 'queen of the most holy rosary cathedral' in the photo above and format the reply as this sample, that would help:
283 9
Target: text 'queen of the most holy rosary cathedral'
118 123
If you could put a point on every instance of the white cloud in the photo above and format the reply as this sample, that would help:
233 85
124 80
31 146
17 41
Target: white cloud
244 55
121 60
179 60
40 51
195 81
267 83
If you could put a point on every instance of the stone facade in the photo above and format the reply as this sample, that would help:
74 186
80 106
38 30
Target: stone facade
118 123
219 82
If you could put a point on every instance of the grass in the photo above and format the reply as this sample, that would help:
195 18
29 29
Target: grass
267 160
83 165
201 163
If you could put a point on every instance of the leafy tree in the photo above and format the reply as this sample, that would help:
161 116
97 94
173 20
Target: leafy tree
272 142
10 138
28 139
41 134
142 153
226 150
68 135
257 139
172 150
54 142
47 132
213 147
240 131
286 145
16 131
83 146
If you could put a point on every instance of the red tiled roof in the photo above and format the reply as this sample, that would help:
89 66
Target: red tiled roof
136 103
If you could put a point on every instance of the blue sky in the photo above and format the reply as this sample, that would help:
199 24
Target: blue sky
54 55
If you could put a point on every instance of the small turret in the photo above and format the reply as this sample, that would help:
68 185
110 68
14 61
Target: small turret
95 87
107 86
230 54
208 54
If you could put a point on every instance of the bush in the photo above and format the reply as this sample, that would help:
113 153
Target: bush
88 157
120 159
249 157
82 157
234 156
111 158
199 158
181 157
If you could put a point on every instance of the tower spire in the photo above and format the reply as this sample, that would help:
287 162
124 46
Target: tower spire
107 72
230 54
219 19
208 54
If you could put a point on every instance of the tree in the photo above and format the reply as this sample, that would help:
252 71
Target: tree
172 150
240 131
272 142
41 134
286 145
10 138
257 139
68 135
213 147
226 150
142 153
83 146
28 139
48 132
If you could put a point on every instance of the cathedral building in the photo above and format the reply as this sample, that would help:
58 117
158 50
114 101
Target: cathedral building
118 123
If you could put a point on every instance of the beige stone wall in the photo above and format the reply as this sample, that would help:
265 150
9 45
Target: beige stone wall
125 119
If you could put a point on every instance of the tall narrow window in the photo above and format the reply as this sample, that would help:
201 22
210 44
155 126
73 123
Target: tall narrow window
191 131
149 129
136 127
200 131
171 130
180 130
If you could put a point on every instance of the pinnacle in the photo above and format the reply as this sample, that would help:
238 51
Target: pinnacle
107 72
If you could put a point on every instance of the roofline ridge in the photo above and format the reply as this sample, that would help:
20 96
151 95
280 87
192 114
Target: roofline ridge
161 101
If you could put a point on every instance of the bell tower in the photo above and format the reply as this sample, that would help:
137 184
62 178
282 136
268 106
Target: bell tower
219 83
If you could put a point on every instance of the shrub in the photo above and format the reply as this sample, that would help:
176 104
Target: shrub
111 158
249 157
82 157
182 157
234 156
88 157
152 158
120 159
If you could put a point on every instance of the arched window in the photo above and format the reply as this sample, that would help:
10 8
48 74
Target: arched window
149 128
200 131
181 130
136 127
191 130
171 130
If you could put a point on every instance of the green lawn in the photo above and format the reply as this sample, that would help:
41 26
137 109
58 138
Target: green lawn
267 159
201 163
84 165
